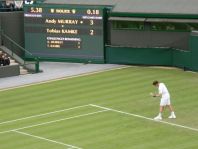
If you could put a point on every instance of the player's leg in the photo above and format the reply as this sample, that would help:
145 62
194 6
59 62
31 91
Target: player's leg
159 116
161 109
171 109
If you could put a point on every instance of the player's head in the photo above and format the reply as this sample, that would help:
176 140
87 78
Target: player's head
156 83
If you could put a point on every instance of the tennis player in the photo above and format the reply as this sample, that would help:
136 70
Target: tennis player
165 100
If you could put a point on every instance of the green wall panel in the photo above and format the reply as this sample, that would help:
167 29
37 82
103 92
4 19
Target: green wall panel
194 49
142 56
182 59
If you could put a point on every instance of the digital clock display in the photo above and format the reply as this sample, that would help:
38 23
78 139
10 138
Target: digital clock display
36 10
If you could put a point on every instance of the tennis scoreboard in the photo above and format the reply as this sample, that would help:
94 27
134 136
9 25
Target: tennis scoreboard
64 31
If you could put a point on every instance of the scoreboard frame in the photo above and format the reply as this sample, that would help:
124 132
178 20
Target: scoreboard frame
93 46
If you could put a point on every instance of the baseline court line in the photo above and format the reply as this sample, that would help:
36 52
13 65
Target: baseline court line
39 115
63 119
143 117
49 140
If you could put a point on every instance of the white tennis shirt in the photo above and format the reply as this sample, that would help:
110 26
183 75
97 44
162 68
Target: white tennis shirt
163 90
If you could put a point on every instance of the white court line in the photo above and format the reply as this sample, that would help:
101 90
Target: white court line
59 120
49 140
64 78
39 115
143 117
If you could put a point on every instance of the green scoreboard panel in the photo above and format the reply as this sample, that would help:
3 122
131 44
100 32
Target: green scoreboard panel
64 31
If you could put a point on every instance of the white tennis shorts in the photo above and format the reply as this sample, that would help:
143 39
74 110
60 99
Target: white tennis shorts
165 101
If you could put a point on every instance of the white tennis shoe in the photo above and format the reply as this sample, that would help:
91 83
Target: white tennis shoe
172 116
158 118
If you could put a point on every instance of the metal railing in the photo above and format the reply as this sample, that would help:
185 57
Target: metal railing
19 53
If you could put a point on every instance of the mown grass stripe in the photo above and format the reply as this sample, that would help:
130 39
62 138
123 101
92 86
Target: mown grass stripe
64 78
49 140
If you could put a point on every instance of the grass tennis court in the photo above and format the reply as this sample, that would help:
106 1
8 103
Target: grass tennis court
107 110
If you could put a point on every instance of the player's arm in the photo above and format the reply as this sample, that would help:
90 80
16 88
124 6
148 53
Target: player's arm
157 95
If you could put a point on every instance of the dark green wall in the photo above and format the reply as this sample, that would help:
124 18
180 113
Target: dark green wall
194 49
142 56
12 25
182 59
154 56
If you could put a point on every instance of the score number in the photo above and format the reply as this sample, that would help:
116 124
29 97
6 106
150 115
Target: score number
36 10
93 11
91 32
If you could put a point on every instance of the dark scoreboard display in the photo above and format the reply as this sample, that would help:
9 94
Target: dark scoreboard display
64 31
